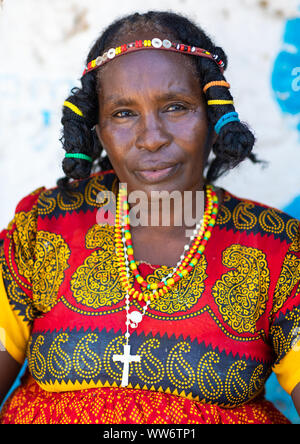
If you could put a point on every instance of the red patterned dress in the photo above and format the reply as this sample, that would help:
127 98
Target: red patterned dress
206 348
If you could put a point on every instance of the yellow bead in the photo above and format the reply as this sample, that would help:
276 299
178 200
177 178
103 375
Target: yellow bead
127 235
153 286
201 248
207 234
184 272
140 279
170 281
194 261
133 266
130 251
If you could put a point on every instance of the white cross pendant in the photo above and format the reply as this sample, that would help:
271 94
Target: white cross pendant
126 358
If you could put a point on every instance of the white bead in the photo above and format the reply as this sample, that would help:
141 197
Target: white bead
166 43
127 335
156 43
111 53
135 316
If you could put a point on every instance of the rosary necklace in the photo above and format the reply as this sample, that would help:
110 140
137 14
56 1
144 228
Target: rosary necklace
127 264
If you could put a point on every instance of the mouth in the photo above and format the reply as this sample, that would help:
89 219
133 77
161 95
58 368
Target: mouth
157 174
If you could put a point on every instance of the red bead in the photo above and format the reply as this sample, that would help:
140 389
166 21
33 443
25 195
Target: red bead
176 277
189 268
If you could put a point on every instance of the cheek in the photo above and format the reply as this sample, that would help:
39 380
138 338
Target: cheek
191 134
116 142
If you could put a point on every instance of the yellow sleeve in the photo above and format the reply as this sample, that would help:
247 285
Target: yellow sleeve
288 369
14 331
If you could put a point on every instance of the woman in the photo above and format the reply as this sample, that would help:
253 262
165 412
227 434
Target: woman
138 323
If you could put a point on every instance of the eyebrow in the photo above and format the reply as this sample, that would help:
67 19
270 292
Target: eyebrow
122 101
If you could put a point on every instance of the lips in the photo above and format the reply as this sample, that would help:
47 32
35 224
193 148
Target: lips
157 173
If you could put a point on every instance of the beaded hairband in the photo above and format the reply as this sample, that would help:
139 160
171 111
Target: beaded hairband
155 43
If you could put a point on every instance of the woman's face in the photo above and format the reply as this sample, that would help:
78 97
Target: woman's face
153 122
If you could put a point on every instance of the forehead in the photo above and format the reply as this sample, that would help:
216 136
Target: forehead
149 69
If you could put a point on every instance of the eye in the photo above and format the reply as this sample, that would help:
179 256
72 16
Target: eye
123 114
175 107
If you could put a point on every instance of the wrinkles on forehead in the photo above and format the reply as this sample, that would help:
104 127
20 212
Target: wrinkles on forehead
182 61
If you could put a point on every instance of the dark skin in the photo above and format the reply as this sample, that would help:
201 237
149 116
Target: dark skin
142 125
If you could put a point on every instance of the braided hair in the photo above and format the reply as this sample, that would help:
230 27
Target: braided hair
234 142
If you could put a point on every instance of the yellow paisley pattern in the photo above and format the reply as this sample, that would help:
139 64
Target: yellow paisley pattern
47 204
58 361
185 294
208 378
271 221
289 277
95 186
52 254
293 232
86 363
241 294
24 242
238 381
179 371
95 283
36 361
75 201
283 342
150 369
242 216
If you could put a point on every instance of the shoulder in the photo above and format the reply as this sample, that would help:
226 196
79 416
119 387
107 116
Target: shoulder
83 197
242 214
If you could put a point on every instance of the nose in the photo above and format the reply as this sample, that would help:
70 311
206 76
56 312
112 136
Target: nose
151 134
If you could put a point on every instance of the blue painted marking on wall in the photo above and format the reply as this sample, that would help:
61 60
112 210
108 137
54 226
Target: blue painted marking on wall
285 77
293 208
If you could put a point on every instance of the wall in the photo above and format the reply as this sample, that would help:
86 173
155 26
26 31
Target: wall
44 45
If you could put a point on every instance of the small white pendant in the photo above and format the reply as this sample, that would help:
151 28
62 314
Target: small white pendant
135 317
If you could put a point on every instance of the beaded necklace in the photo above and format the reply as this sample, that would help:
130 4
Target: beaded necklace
126 262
